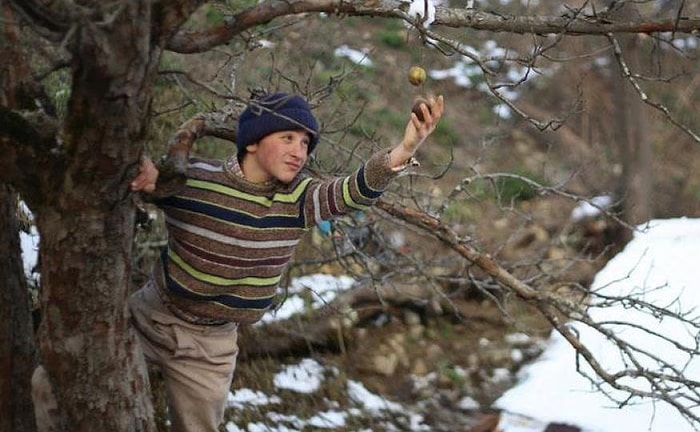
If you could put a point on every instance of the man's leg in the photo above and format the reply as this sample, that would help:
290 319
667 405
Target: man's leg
197 362
198 386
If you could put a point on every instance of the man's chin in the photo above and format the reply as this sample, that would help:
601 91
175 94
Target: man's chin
286 179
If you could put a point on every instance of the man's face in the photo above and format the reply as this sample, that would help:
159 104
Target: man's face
279 155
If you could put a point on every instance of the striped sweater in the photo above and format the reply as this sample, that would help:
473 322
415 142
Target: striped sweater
229 240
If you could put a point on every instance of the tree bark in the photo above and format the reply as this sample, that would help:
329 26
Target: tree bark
84 209
86 223
86 344
17 353
17 350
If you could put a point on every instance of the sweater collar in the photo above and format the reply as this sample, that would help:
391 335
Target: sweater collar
235 172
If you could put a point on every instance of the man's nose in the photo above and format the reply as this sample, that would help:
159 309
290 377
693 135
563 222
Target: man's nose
299 150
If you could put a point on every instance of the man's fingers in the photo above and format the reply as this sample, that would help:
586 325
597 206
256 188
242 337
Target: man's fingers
145 180
141 182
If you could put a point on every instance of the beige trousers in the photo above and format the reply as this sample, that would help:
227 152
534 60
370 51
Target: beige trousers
197 362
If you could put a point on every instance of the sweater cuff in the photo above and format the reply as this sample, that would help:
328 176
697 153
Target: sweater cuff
379 172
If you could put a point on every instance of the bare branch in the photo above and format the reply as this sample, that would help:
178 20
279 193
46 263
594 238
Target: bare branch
661 380
585 25
174 166
627 74
450 238
51 23
28 140
203 40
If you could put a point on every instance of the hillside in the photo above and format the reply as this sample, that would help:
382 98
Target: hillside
498 181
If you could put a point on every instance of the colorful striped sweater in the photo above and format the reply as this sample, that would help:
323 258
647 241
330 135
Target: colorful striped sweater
229 240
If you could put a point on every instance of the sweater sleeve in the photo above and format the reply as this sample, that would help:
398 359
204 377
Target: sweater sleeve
342 195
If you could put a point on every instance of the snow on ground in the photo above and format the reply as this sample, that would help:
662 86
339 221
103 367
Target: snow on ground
591 208
323 287
306 377
660 265
29 243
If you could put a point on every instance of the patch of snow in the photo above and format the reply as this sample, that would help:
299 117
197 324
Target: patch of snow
305 377
658 266
359 57
591 208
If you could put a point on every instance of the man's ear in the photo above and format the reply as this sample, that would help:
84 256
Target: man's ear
251 148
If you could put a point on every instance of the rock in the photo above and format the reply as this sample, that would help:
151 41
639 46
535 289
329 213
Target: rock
419 367
385 364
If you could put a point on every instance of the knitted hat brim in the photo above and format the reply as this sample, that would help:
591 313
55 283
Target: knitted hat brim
263 125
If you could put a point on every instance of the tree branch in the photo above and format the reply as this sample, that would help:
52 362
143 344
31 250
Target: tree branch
28 141
627 74
450 238
46 21
217 124
661 380
542 25
202 40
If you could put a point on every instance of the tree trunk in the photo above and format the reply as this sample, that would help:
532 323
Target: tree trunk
79 193
86 344
17 354
17 350
86 224
635 150
631 136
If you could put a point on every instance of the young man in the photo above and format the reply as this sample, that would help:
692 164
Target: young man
232 230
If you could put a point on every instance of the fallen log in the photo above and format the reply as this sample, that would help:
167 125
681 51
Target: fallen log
329 328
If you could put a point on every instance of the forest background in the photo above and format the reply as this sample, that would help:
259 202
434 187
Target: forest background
547 109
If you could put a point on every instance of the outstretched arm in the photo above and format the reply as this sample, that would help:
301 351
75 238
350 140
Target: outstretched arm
417 131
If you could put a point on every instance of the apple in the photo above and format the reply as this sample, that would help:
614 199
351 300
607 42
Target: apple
416 107
417 75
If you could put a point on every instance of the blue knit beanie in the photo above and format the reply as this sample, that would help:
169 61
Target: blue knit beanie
273 113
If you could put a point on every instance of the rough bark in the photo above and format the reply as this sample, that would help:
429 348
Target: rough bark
86 220
86 227
84 209
85 216
85 341
17 350
17 353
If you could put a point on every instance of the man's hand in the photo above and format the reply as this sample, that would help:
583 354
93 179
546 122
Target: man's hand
417 130
146 179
